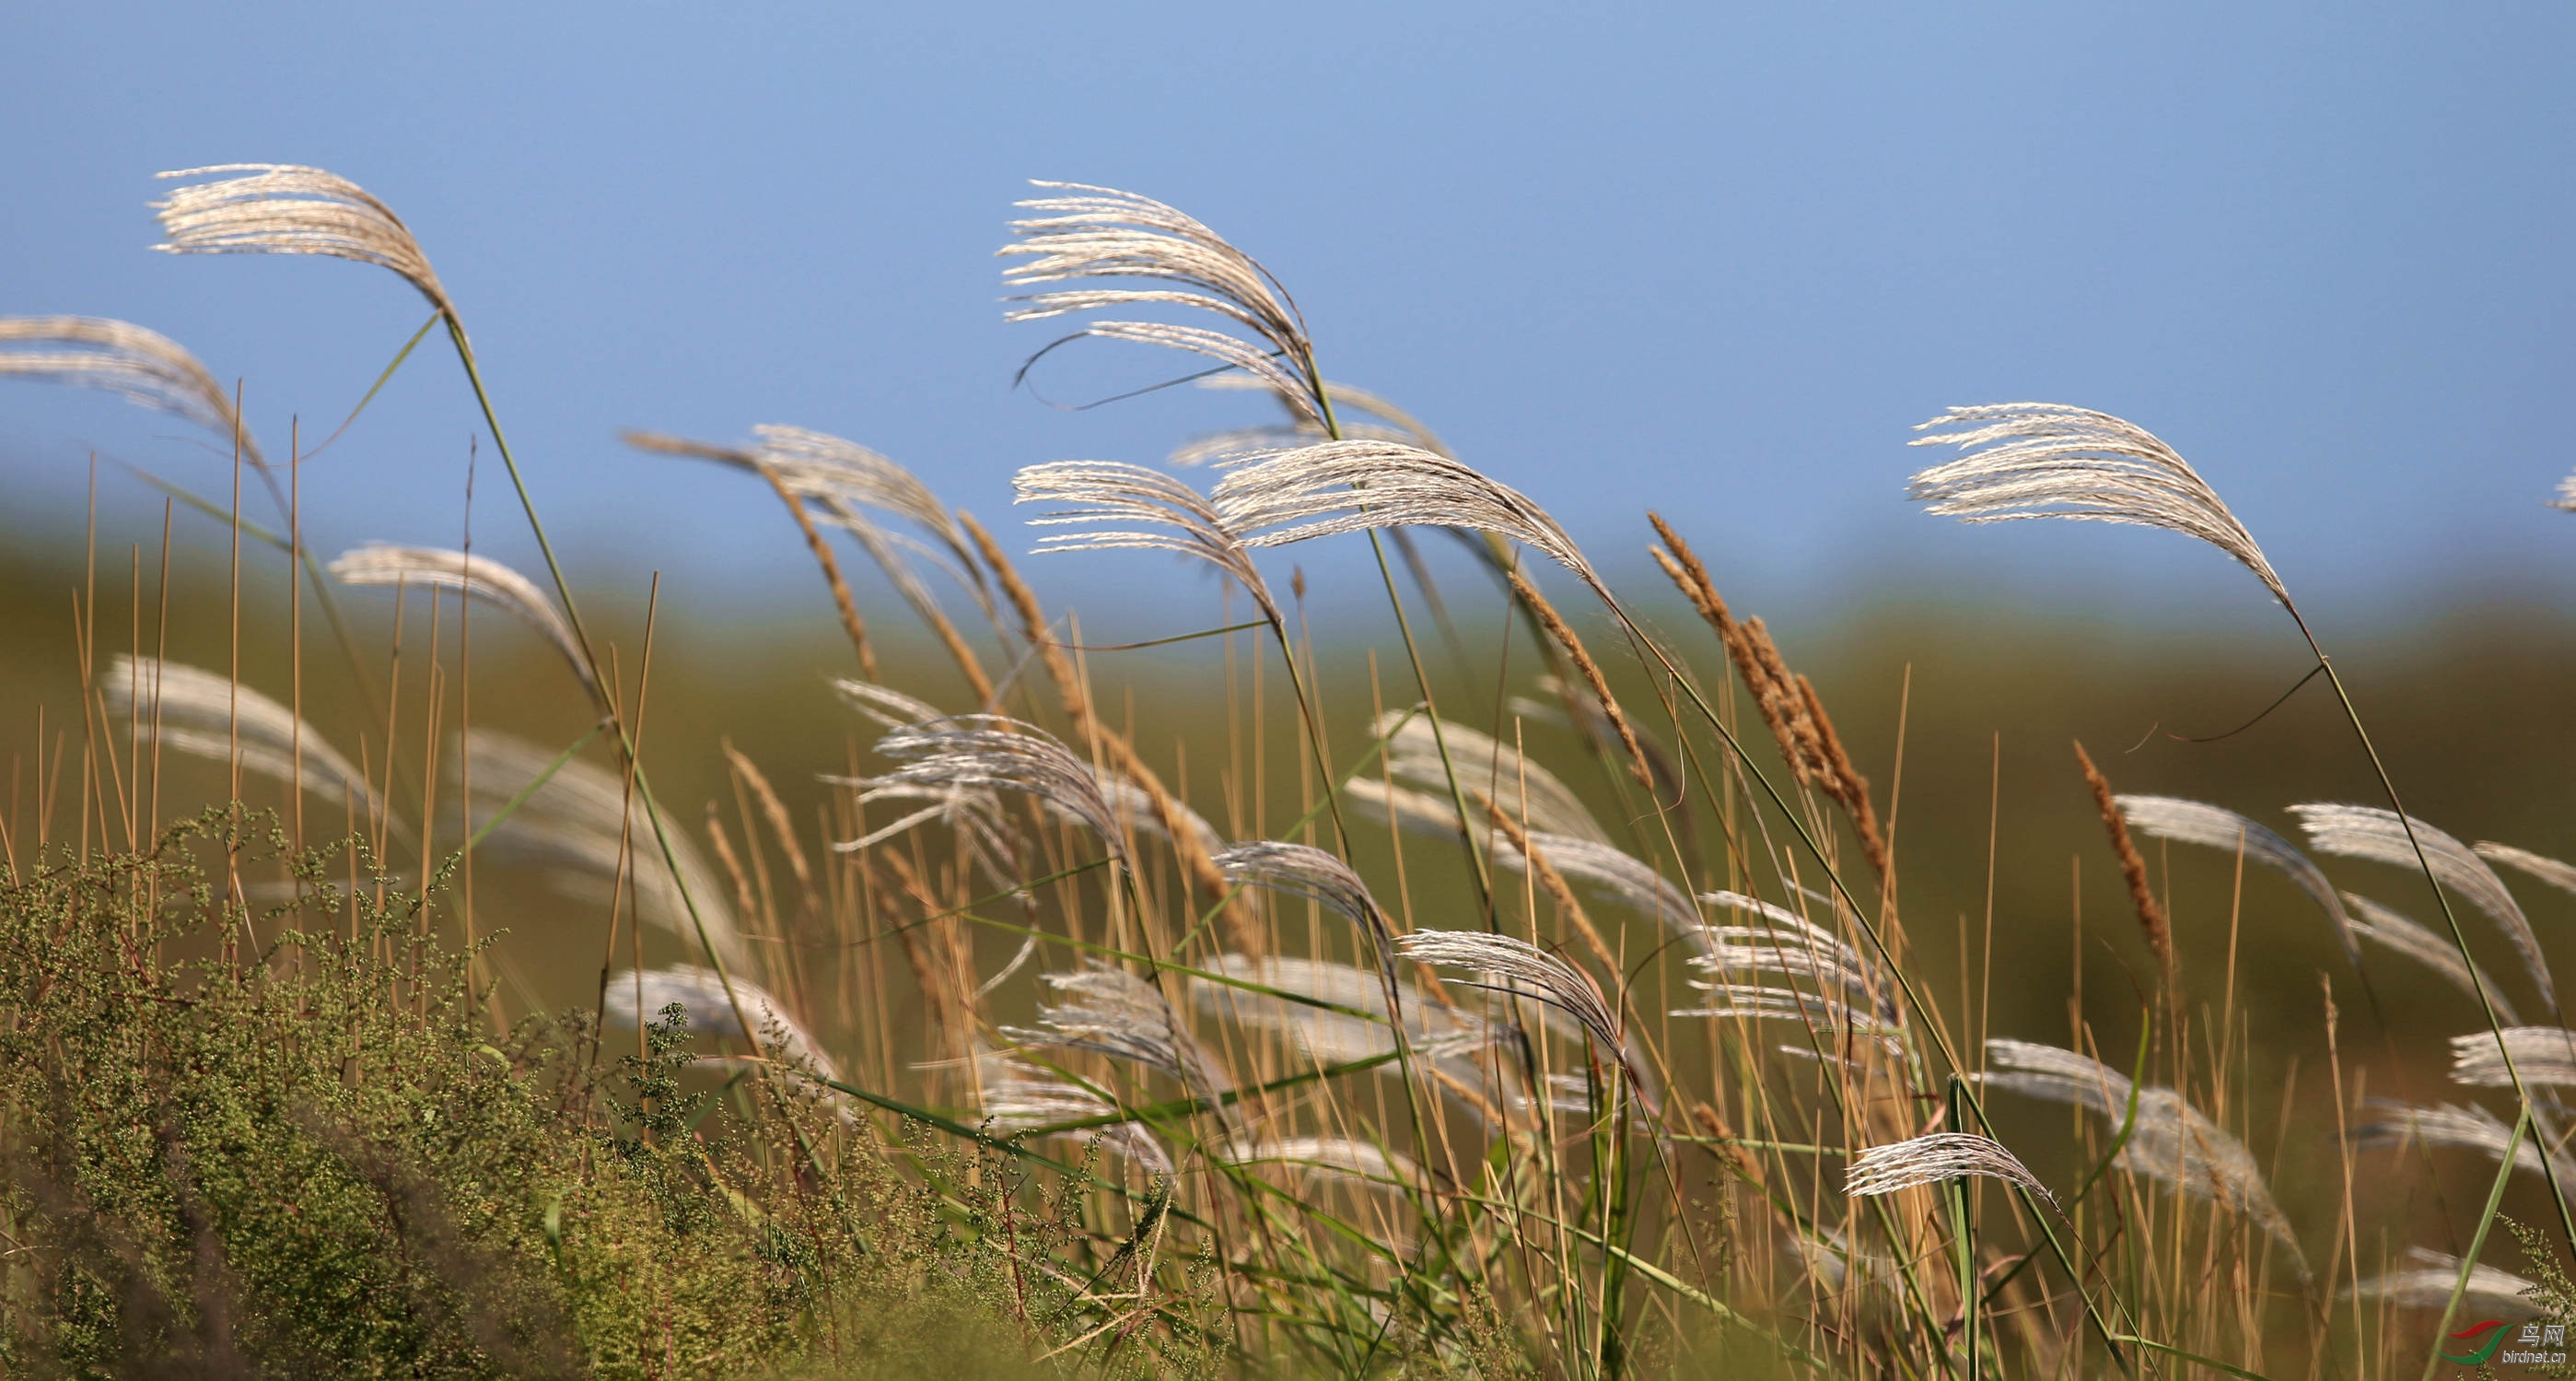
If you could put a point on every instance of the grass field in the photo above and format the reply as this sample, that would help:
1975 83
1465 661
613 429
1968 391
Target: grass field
1551 977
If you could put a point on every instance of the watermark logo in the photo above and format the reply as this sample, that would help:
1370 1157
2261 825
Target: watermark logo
2490 1329
2494 1333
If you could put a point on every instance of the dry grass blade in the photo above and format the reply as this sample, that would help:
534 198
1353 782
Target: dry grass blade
2133 867
2544 1055
2428 1283
1272 498
701 993
1934 1158
2378 835
2171 1141
1102 491
2048 460
138 365
382 563
2192 822
205 715
2387 927
1112 1012
571 825
279 208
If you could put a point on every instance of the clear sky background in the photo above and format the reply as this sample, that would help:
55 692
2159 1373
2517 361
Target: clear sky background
1714 260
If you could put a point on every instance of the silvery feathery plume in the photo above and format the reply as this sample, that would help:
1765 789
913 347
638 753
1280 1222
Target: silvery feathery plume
1273 498
2378 835
138 365
572 825
1350 405
1826 1016
2549 870
994 753
1311 872
2566 494
278 208
1791 946
1516 965
1136 810
1095 235
2049 460
2431 1277
1934 1158
2384 926
2191 822
1525 789
1018 1097
1362 1160
2544 1054
702 993
1623 875
2171 1140
976 812
383 563
2392 1123
1334 1037
1168 516
1112 1012
200 713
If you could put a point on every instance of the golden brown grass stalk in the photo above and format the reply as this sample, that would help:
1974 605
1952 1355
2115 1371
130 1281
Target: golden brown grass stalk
1842 781
2133 867
1550 880
1241 927
1557 628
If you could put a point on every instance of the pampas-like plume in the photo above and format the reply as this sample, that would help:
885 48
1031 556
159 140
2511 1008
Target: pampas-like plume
1100 233
1524 787
2171 1142
2133 868
1103 491
1621 874
140 366
995 753
1791 947
1311 872
2449 1124
2492 1293
1363 1160
2566 494
1394 424
2192 822
1273 498
572 825
2549 870
1826 1016
2378 923
701 992
1936 1157
382 563
2544 1054
209 716
1335 1037
278 208
2049 460
1112 1012
1019 1097
2378 835
1525 968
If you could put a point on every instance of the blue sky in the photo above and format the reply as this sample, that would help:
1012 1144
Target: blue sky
1713 261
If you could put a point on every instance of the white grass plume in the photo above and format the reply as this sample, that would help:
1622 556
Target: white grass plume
2192 822
2378 835
2549 870
2385 926
1623 875
2392 1123
1525 968
383 563
570 827
1335 1037
1112 1012
141 366
279 208
2171 1141
1350 407
1341 1155
1169 516
196 712
1310 872
1790 946
1273 498
2432 1275
1097 236
1936 1157
1827 1016
2049 460
1019 1097
991 752
701 992
2544 1055
1519 784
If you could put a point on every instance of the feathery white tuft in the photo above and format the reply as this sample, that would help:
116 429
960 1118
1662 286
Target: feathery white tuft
383 563
1273 498
2428 1285
2543 1054
279 208
1525 790
2049 460
138 365
2549 870
197 712
1112 1012
2378 835
1935 1157
1310 872
701 992
1105 491
1524 968
2192 822
2393 1123
2385 926
1019 1098
990 752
